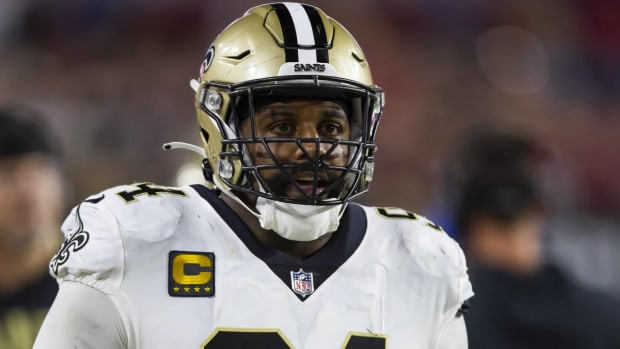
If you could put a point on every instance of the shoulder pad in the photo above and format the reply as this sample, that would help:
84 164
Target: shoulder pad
93 250
145 210
434 251
431 251
431 248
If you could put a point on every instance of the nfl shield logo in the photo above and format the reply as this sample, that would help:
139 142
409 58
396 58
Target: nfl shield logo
302 283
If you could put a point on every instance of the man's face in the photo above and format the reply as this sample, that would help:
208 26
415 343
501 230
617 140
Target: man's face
514 246
30 200
307 120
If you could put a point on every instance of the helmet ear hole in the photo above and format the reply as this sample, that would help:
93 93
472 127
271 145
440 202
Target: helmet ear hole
207 170
205 134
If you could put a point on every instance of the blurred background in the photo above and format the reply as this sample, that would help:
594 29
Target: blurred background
112 78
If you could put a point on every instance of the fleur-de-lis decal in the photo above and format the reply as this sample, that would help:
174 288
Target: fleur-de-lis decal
73 243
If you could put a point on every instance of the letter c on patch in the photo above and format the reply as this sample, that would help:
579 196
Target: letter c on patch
201 263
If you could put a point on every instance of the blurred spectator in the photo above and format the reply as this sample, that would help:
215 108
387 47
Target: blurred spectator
522 300
31 204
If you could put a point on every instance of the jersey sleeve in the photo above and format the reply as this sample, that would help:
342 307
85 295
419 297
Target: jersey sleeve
92 252
82 317
453 335
437 254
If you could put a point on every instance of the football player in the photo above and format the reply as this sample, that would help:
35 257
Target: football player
272 252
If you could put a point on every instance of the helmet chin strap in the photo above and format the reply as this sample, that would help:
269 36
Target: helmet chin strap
291 221
298 222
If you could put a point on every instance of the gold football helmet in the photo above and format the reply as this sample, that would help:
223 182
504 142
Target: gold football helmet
284 50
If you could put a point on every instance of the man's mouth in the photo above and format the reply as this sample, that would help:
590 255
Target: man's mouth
308 186
302 186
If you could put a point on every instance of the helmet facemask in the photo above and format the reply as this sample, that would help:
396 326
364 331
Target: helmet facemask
331 183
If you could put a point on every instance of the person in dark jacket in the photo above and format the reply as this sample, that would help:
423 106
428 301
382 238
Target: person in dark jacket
522 301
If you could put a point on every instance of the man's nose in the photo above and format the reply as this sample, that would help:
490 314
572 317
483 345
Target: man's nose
310 147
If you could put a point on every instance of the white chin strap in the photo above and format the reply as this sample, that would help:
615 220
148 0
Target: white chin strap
298 222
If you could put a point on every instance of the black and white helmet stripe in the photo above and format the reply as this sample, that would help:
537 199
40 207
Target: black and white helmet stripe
304 33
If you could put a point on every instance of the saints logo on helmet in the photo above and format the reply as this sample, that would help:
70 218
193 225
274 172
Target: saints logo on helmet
285 50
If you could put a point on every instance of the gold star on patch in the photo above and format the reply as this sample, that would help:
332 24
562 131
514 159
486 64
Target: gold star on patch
176 289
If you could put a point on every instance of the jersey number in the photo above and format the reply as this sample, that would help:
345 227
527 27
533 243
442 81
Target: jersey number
394 212
148 189
273 339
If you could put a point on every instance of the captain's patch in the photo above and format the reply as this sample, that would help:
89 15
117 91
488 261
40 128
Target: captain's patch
191 274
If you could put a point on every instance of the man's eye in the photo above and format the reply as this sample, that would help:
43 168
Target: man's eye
331 129
282 127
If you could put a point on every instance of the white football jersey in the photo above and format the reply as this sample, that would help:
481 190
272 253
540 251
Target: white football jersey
186 272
